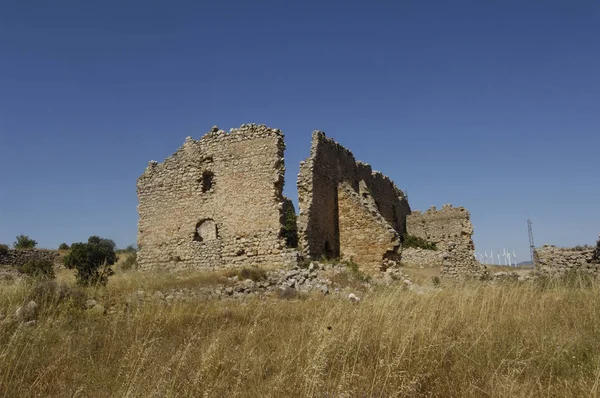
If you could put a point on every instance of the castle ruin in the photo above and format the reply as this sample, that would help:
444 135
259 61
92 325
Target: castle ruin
218 202
450 228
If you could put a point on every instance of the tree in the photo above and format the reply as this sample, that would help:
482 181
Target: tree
24 242
63 246
92 261
290 229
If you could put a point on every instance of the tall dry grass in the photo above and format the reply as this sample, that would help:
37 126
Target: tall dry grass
474 339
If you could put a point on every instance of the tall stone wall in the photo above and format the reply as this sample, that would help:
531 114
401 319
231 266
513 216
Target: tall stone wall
217 202
365 236
554 260
17 258
328 166
450 228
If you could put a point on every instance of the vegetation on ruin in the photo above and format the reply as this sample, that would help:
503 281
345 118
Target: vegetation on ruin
417 242
63 246
3 249
464 339
92 261
24 242
38 268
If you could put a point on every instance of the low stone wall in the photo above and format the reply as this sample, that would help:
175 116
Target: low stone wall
555 260
422 257
17 258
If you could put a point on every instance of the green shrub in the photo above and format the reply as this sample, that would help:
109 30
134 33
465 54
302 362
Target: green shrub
38 268
290 228
63 246
3 249
435 280
356 272
130 262
24 242
418 242
92 261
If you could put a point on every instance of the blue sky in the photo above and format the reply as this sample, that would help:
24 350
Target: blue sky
489 105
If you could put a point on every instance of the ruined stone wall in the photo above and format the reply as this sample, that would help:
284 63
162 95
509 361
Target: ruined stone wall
554 260
329 165
365 236
422 257
450 228
17 258
217 202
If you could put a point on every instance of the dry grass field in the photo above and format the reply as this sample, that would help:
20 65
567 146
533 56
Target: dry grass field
476 339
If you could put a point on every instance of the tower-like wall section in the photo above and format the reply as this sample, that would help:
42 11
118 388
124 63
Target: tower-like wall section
217 202
329 165
450 228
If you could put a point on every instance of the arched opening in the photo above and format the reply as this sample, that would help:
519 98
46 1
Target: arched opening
206 230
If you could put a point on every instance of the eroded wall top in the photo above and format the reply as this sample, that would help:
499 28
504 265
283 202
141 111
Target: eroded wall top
216 202
329 165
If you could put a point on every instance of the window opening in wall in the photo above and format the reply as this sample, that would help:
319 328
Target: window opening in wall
207 181
206 230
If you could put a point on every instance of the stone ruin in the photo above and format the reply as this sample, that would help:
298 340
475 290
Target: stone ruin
347 210
218 202
556 261
450 228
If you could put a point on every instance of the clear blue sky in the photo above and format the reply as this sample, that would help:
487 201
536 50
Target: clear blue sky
494 106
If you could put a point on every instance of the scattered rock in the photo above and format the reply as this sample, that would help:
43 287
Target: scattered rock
90 304
28 312
354 298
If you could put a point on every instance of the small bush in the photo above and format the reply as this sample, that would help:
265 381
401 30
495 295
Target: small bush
130 262
38 269
63 246
3 249
356 272
92 261
435 280
24 242
418 243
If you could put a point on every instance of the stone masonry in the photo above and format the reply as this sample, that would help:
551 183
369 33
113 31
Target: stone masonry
554 260
345 205
19 257
451 230
217 202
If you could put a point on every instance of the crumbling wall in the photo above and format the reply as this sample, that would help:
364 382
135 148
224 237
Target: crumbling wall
16 258
328 166
450 228
217 202
365 236
554 260
422 257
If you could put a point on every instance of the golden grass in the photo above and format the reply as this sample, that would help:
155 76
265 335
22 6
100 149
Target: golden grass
473 339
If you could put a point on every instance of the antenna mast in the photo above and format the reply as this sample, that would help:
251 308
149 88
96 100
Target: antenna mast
531 244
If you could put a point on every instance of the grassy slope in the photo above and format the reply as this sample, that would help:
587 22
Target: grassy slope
473 339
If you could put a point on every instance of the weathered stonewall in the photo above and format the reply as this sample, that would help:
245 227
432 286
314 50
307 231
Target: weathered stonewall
347 210
217 202
450 228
